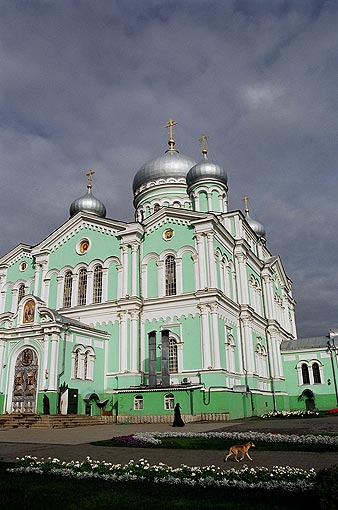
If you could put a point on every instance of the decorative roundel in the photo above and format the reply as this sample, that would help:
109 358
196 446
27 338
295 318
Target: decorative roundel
83 246
23 266
168 234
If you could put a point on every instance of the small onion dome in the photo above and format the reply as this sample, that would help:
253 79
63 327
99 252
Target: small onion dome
88 203
255 225
169 165
206 171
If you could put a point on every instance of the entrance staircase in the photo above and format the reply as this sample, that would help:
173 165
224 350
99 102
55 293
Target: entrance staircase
18 420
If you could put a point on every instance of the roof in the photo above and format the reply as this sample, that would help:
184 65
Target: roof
315 342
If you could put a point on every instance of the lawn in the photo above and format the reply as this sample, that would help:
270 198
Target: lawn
28 491
216 444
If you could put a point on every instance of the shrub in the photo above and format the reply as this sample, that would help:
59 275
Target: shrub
327 488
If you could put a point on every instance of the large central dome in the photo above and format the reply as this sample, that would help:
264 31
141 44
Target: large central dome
171 165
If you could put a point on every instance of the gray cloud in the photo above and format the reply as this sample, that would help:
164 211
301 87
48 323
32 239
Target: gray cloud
91 85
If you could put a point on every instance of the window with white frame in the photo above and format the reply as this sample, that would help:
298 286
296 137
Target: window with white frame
261 360
169 401
67 289
82 287
316 373
138 403
173 355
170 276
97 284
305 374
83 363
310 372
230 353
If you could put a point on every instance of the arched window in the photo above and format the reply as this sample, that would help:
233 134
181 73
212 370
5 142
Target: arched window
169 401
170 276
76 363
138 403
156 207
316 373
97 284
82 289
67 289
21 292
173 358
230 353
305 374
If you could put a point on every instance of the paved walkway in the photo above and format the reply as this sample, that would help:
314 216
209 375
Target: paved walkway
73 444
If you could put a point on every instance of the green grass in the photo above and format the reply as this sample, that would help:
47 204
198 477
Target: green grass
224 444
55 493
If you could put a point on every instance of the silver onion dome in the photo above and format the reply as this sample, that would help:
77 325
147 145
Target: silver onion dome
88 203
255 225
170 165
206 170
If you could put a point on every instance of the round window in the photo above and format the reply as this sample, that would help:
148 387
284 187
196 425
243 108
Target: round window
23 266
83 246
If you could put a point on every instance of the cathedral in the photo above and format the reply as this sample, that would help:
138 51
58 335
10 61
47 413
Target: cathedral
184 305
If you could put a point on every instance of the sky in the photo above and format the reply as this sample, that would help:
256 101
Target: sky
91 84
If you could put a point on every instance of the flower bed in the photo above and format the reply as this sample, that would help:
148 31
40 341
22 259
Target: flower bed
154 438
285 478
290 414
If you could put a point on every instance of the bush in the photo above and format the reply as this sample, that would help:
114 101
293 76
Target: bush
327 488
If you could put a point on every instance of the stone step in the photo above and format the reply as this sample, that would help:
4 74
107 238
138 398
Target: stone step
51 421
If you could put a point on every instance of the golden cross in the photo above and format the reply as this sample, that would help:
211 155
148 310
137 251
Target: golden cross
170 124
203 141
90 174
246 202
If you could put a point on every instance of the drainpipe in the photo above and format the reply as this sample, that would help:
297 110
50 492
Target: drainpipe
272 384
332 348
65 331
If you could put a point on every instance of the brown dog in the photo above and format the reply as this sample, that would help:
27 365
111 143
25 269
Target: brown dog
239 448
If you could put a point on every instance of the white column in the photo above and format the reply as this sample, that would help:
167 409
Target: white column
134 341
206 355
179 277
211 258
209 201
45 382
2 355
37 279
161 278
104 284
59 296
248 346
54 358
215 336
242 278
134 272
119 281
197 201
144 281
89 290
75 285
2 302
124 249
14 304
201 262
43 293
123 341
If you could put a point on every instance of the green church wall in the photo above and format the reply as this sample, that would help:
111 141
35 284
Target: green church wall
152 280
14 273
183 236
102 246
112 281
188 273
203 201
53 287
215 201
8 300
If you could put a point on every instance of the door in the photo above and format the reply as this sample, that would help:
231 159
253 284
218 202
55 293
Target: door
25 382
